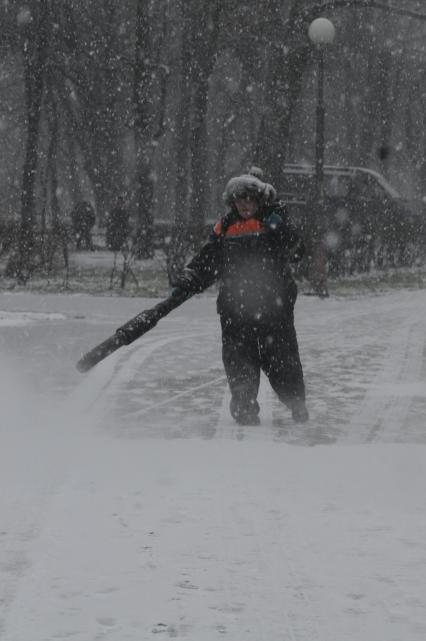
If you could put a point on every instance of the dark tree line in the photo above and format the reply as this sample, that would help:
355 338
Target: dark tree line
161 101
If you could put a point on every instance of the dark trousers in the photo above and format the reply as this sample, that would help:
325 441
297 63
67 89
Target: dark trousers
248 349
83 239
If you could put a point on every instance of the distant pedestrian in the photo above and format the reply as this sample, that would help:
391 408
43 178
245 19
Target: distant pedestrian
83 219
118 227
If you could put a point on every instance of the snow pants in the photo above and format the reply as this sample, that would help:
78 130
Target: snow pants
247 349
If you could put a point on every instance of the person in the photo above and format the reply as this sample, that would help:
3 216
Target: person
83 220
118 228
317 258
249 252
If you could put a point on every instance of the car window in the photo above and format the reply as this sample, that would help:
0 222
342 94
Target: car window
337 186
376 188
353 185
301 186
297 186
365 186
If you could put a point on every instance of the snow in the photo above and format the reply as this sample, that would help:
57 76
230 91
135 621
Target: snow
132 506
12 319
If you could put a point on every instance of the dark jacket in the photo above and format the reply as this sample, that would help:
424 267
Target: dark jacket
251 260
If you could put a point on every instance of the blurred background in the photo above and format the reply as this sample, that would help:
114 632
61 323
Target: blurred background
136 113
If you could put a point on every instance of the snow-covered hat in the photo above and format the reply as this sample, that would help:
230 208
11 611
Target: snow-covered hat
251 185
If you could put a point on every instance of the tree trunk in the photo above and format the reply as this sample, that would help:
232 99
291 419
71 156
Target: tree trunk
143 129
35 43
205 31
286 66
180 241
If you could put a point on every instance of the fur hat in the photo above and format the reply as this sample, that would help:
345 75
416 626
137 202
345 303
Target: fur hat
256 171
248 184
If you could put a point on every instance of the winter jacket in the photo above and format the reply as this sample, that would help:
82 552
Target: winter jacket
251 260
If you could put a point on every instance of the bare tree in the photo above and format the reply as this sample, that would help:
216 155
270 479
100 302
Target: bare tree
205 32
36 25
179 243
97 80
149 97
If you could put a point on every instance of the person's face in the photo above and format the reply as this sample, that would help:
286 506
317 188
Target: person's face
247 207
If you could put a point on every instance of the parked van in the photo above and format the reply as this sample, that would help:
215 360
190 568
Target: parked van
363 219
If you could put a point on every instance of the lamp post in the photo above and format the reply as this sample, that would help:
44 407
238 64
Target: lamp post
321 32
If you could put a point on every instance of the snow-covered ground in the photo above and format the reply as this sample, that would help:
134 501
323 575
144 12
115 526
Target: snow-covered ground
132 506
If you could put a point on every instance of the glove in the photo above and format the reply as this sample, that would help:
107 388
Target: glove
269 194
187 282
179 295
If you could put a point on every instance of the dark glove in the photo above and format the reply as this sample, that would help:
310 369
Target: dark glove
137 326
179 295
187 282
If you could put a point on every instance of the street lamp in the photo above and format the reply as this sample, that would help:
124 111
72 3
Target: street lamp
321 32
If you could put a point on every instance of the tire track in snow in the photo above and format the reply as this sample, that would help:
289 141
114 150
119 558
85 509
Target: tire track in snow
39 461
21 521
110 375
175 397
252 551
29 512
160 409
264 617
29 474
387 402
391 426
357 368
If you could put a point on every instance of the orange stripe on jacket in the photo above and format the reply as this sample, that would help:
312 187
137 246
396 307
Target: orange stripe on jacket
250 226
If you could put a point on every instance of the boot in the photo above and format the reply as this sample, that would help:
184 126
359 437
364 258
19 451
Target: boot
247 419
245 414
299 411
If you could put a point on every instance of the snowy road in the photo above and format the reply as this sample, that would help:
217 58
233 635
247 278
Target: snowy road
132 506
